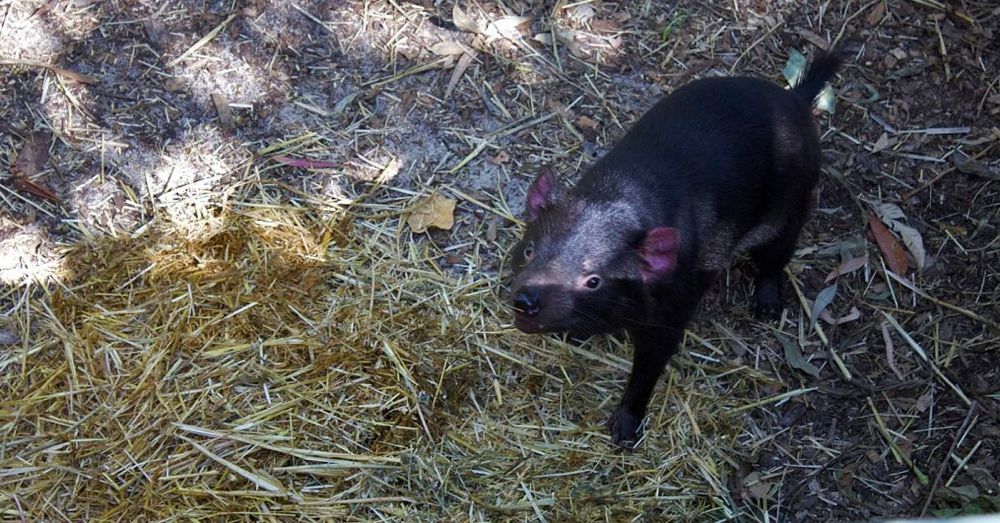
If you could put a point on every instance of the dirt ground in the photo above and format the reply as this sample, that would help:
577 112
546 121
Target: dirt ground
115 115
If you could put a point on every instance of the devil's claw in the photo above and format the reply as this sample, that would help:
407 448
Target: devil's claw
767 302
625 429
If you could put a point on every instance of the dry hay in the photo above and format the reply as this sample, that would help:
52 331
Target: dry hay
317 361
281 356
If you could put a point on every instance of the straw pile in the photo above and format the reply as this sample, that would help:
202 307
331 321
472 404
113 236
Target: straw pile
318 361
249 350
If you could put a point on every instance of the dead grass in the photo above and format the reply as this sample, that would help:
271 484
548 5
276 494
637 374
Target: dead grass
236 322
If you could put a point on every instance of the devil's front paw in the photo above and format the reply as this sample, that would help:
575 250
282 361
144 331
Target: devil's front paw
625 428
767 302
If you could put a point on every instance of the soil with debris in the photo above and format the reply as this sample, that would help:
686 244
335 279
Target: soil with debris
117 117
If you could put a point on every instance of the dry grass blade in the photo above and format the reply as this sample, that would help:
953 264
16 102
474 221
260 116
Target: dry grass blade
73 75
923 356
227 316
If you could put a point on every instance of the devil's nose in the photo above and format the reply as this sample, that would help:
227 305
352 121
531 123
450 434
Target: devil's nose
527 301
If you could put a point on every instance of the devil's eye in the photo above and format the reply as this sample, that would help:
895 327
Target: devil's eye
593 282
529 250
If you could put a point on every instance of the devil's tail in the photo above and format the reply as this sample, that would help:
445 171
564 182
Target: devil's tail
820 71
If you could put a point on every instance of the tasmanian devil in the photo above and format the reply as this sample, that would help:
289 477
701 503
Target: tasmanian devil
720 166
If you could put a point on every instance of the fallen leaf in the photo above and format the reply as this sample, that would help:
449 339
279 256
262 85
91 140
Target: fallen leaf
586 122
967 165
890 351
463 21
568 38
390 170
849 317
794 70
491 230
501 158
507 27
34 155
760 489
876 14
891 249
847 267
31 161
882 143
345 101
794 67
225 113
924 402
463 63
814 39
893 216
304 163
543 38
794 356
72 75
826 101
823 300
585 45
587 126
173 84
581 12
447 48
24 184
432 211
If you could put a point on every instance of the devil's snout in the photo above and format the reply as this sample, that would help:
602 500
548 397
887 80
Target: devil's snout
527 301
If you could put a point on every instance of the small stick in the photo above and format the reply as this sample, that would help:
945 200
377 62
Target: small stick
944 463
57 70
965 312
201 43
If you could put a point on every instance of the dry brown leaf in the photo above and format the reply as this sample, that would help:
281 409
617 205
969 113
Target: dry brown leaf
508 26
23 184
849 317
585 122
432 211
848 267
892 216
587 126
31 161
756 488
225 113
463 21
390 170
890 351
581 13
447 48
463 63
34 154
891 249
876 14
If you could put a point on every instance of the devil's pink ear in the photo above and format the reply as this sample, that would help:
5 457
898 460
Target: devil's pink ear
543 192
659 253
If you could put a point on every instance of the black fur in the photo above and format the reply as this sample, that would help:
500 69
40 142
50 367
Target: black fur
720 161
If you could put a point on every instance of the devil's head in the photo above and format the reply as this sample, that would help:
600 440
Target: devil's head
585 260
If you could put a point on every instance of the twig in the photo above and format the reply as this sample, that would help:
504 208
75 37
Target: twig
202 42
944 462
965 312
73 75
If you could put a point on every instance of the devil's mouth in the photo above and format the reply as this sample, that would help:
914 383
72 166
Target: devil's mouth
525 323
532 325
